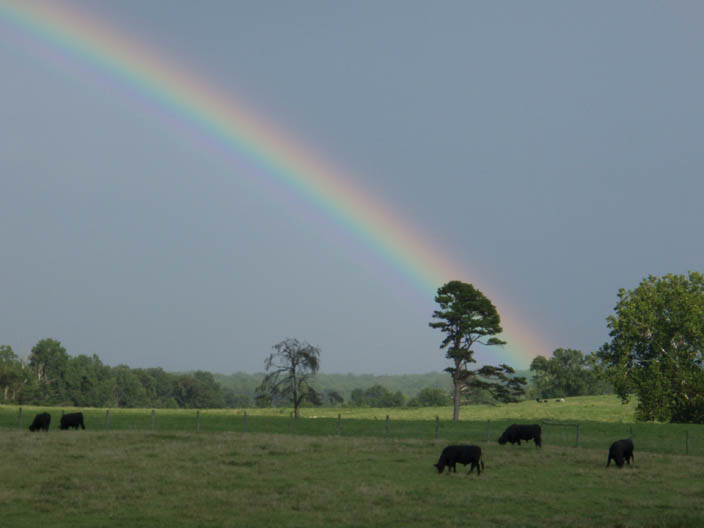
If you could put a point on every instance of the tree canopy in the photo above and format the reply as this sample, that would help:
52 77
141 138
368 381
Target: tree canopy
12 374
52 377
430 397
657 347
467 317
377 396
291 369
49 361
567 373
85 381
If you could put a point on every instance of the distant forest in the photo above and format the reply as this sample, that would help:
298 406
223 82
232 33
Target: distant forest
50 376
355 389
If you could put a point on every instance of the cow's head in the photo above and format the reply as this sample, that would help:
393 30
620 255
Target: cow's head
440 466
502 439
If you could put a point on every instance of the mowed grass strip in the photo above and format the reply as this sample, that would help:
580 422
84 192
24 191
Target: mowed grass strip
145 479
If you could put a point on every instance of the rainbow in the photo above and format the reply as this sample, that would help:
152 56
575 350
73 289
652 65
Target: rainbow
216 114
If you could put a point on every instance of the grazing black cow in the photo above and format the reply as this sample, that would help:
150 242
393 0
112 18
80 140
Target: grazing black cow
72 420
515 433
41 421
460 454
619 451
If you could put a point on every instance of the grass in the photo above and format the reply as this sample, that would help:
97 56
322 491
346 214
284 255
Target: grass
256 473
601 420
222 479
607 408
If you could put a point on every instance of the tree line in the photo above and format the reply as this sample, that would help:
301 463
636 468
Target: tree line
51 377
656 355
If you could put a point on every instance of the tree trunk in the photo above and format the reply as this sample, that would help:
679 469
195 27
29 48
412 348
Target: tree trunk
457 380
456 400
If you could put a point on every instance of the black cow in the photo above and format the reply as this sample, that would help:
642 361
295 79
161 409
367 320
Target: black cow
41 421
619 451
72 420
515 433
460 454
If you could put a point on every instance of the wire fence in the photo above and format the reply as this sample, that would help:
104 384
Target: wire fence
680 439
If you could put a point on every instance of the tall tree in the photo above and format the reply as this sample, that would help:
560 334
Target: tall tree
291 369
657 347
466 317
11 374
49 361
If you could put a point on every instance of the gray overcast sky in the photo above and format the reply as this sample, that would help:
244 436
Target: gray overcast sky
555 148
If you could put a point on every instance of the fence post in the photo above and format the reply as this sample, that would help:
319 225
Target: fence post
107 419
437 426
153 419
339 423
244 423
387 426
488 431
577 440
686 443
198 421
19 420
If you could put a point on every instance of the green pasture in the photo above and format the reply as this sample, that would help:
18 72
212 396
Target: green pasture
606 408
601 419
178 479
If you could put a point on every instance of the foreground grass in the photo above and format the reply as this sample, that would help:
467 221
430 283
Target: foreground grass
179 479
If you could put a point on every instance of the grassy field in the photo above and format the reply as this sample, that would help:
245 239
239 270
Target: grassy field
606 408
268 470
228 479
601 419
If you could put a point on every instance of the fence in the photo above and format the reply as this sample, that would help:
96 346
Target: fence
660 438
